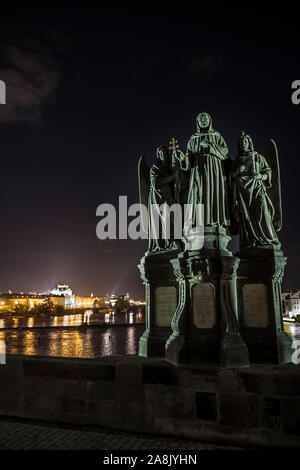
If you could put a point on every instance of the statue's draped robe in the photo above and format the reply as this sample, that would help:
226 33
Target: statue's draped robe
208 184
252 208
160 193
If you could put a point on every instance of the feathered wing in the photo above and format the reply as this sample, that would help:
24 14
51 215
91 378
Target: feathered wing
144 188
275 190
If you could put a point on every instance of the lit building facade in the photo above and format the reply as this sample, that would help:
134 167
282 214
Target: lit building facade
76 301
63 296
9 302
291 304
84 302
66 291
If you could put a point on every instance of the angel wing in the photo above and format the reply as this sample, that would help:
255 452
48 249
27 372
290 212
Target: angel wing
144 188
275 190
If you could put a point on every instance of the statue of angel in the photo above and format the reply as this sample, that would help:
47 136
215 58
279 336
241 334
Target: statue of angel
156 187
256 195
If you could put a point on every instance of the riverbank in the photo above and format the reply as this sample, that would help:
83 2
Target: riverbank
61 312
51 314
79 320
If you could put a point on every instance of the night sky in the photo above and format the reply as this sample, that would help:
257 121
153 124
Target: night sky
91 90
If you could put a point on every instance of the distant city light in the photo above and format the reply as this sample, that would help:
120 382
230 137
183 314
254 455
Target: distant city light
62 296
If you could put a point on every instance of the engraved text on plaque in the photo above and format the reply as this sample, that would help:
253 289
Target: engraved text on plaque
255 302
165 305
204 310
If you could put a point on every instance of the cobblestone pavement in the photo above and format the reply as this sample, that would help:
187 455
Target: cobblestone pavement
28 435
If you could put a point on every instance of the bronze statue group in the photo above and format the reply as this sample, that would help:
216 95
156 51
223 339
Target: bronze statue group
242 195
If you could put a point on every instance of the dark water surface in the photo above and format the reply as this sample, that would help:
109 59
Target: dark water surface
83 335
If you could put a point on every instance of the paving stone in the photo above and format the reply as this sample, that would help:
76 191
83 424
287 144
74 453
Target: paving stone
28 435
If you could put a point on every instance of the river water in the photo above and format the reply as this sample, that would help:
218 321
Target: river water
85 335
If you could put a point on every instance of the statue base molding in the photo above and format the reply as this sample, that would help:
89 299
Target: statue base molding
161 301
205 325
259 280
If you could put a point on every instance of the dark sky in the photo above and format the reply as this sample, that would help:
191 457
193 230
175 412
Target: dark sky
91 90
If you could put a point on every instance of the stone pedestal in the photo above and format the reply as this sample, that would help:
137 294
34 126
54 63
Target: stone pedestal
205 324
161 301
260 306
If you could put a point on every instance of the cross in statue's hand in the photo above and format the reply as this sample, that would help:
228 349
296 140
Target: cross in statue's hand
173 144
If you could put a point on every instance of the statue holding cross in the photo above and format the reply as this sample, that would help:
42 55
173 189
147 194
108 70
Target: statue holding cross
200 295
180 165
173 145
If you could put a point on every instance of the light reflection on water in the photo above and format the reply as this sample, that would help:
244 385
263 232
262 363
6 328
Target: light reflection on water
70 335
102 340
93 342
293 329
79 319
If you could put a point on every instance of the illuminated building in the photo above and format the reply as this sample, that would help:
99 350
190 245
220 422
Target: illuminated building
65 290
62 289
102 302
84 302
9 301
63 296
113 299
291 303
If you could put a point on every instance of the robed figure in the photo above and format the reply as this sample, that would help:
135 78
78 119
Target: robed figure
207 153
156 190
256 201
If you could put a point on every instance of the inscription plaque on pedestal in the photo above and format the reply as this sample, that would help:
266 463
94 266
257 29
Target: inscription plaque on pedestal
204 310
165 305
255 302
